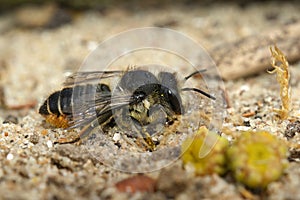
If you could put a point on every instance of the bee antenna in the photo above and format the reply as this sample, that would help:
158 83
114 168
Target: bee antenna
199 91
194 73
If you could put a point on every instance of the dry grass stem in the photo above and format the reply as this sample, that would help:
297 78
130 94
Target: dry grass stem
281 68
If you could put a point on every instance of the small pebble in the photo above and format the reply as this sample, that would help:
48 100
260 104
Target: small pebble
291 129
247 122
117 137
34 139
243 128
244 88
44 132
10 156
139 183
49 144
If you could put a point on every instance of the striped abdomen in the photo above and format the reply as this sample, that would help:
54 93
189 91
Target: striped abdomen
57 108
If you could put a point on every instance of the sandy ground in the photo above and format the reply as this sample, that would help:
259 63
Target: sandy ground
35 61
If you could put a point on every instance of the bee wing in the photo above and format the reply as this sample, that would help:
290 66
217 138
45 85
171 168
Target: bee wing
101 108
90 77
86 108
105 114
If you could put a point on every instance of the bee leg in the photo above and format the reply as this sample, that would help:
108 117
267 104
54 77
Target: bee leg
102 120
172 128
143 139
147 139
73 138
150 144
134 129
86 130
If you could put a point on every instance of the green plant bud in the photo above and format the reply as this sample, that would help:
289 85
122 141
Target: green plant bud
205 152
257 159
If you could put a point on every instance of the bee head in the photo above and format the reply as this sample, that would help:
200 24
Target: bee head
162 89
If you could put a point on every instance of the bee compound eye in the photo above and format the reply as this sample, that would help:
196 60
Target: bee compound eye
174 99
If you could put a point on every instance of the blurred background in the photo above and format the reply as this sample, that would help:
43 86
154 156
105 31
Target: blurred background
41 42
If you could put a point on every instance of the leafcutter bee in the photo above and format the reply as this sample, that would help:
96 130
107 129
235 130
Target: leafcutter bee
136 100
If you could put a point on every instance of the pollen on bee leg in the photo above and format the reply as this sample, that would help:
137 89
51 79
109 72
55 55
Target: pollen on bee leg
57 121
